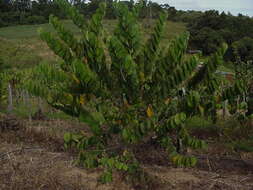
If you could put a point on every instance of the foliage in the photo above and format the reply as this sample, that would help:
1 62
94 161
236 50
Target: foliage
208 40
211 29
26 12
125 89
243 71
243 49
35 20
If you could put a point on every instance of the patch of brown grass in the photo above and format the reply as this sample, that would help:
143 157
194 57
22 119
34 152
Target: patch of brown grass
34 158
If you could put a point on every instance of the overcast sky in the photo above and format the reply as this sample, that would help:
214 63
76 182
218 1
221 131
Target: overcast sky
234 6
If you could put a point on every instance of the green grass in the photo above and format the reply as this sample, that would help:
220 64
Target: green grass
31 31
21 47
24 53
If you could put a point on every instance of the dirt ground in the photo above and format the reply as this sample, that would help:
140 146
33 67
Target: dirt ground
33 158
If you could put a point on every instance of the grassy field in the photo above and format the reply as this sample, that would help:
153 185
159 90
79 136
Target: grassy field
31 31
21 47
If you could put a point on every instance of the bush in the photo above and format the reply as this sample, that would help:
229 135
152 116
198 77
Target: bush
243 49
2 23
212 28
208 40
35 20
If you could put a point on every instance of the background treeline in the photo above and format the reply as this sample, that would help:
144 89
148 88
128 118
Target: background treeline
13 12
26 12
211 29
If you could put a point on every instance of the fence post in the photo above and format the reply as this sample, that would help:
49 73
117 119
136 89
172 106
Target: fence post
224 109
28 104
10 99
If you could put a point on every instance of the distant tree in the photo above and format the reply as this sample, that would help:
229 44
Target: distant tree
5 6
244 49
172 13
110 12
208 40
208 30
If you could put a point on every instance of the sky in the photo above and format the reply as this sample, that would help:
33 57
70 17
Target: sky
233 6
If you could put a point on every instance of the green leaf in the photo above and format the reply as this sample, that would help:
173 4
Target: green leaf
182 117
125 134
77 137
110 162
125 167
94 120
193 161
66 145
67 137
106 177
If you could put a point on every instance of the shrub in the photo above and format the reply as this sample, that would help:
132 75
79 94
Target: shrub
35 20
2 23
208 40
243 49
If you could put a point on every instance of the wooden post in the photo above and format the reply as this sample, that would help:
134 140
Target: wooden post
224 109
28 105
10 99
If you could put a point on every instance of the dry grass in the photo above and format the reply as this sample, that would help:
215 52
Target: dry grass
33 158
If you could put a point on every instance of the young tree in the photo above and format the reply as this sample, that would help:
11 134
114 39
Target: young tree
124 88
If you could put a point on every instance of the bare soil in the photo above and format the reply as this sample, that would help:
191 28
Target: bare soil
33 158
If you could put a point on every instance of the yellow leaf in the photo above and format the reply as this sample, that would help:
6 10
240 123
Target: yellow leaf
82 100
149 111
167 101
126 104
85 60
125 152
202 110
142 77
174 158
217 99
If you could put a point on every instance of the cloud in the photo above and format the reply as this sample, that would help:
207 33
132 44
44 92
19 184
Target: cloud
233 6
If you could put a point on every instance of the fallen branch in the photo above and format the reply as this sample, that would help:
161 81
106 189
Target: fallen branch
204 157
3 155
